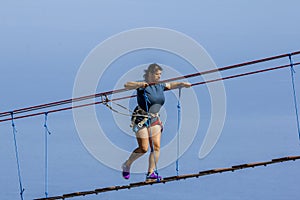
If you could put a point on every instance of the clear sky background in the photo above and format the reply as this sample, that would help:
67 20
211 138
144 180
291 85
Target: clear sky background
43 44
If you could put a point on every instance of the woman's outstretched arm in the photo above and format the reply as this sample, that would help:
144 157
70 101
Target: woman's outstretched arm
174 85
134 85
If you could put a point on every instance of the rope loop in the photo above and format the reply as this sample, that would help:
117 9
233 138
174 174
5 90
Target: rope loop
45 124
291 63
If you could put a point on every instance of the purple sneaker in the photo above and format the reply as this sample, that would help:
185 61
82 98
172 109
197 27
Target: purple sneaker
153 177
126 171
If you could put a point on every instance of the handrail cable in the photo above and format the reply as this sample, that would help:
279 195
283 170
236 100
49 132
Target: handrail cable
126 97
77 99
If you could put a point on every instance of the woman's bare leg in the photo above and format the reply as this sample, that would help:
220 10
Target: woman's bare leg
143 144
154 140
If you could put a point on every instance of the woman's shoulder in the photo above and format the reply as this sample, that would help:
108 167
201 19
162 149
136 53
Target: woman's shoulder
161 85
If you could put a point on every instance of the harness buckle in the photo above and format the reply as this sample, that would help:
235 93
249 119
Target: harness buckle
140 125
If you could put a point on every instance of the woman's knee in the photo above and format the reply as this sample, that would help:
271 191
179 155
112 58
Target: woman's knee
155 147
143 149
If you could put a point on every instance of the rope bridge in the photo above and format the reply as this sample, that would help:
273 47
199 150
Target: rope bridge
174 178
44 109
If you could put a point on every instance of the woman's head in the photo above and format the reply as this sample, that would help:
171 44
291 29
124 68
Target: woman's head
153 73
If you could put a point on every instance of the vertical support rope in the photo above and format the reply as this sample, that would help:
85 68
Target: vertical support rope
47 132
178 130
17 155
294 93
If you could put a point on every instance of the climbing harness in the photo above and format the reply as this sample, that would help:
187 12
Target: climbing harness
137 113
146 117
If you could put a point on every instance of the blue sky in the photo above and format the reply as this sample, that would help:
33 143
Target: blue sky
43 45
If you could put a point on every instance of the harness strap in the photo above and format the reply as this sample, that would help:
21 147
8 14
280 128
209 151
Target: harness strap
139 112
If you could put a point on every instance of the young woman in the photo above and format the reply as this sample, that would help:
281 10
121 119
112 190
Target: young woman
145 120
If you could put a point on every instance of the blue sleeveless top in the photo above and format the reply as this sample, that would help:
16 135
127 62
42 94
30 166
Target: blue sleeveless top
155 97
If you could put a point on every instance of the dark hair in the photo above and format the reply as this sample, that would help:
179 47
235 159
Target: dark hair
152 68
